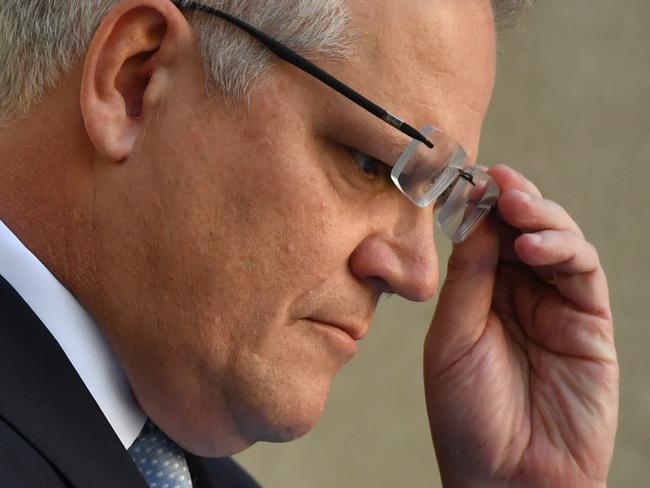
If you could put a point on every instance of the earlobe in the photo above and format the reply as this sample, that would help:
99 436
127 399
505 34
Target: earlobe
125 71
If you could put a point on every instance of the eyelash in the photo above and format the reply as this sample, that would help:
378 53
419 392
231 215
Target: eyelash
364 161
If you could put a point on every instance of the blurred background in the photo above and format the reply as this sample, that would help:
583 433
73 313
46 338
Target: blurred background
572 112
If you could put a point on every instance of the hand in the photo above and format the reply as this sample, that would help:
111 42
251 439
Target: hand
520 369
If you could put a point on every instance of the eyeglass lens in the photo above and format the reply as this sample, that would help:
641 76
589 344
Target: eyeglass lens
422 174
470 200
465 195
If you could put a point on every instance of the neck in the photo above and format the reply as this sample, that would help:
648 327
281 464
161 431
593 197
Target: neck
46 189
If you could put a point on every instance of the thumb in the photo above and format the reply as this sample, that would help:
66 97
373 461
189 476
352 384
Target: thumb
465 299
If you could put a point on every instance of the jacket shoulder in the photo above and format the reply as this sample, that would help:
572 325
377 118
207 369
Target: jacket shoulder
21 465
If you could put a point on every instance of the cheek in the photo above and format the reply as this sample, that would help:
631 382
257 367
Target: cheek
288 227
295 238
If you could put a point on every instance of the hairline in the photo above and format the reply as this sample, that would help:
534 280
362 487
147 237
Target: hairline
223 73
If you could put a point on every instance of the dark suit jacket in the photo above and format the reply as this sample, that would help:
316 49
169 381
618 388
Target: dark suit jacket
52 433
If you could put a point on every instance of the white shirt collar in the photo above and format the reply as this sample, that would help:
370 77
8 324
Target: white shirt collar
77 334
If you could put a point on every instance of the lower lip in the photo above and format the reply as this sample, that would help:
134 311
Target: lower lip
341 339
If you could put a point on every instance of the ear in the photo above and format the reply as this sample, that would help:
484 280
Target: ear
130 63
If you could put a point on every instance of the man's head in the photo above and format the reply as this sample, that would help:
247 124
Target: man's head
224 246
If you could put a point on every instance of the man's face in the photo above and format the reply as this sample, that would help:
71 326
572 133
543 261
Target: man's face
243 247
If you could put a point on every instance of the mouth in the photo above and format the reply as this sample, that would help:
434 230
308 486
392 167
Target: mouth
341 339
355 332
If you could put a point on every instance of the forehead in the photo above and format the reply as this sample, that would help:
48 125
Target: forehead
427 61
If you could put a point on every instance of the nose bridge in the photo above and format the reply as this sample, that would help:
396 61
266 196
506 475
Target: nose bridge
408 220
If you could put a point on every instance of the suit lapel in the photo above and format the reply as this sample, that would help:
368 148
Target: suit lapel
45 400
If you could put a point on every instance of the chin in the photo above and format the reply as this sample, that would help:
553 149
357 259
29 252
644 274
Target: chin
254 423
281 418
284 430
279 412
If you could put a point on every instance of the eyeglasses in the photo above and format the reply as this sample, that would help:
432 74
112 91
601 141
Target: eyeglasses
432 167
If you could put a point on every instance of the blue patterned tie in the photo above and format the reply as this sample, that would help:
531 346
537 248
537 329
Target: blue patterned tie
160 460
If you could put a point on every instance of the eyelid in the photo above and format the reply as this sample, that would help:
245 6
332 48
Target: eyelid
385 148
358 153
392 148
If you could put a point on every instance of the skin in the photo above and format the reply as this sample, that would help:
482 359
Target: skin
522 387
223 247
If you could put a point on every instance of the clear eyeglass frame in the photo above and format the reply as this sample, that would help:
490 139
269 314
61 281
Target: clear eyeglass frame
464 195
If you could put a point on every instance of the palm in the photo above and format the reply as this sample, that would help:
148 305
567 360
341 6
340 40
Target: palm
527 395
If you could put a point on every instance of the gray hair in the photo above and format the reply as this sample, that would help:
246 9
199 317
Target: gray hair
41 40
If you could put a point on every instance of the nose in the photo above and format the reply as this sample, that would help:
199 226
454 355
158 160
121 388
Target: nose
403 259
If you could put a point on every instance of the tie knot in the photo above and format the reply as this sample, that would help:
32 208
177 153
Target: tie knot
159 459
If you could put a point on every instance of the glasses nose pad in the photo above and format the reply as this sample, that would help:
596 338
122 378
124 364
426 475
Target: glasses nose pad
467 204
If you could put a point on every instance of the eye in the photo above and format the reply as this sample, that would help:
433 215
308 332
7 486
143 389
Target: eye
370 167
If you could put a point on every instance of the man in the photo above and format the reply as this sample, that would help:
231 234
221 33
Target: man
229 246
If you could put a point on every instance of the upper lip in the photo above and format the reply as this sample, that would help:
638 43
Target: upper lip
355 330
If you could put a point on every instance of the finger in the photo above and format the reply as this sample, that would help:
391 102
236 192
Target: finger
508 179
574 264
565 251
507 236
531 213
465 299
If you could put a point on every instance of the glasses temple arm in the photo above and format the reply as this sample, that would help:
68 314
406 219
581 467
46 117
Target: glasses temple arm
310 68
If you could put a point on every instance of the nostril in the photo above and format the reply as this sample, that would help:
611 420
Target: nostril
380 287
